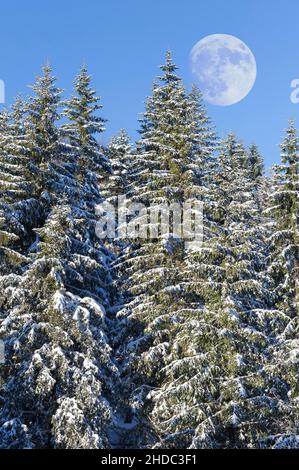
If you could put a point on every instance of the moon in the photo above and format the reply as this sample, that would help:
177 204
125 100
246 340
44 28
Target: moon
224 68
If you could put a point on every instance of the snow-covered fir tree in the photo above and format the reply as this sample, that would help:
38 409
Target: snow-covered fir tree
285 209
255 162
283 206
220 389
205 139
43 137
14 158
120 155
58 366
19 211
85 124
55 343
164 171
146 339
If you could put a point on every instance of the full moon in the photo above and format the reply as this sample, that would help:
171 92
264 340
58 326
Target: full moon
224 68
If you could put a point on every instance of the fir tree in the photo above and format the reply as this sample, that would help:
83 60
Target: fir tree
285 211
58 359
255 162
14 185
19 211
163 172
43 139
149 339
219 389
57 356
120 155
283 269
84 125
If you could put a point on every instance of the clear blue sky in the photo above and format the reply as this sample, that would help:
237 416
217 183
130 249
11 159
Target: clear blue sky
124 41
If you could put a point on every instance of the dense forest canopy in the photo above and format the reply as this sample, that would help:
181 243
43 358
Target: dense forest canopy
131 342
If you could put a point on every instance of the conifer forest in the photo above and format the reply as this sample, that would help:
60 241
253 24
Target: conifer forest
131 342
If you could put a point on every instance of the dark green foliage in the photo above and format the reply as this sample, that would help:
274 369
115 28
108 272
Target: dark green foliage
158 341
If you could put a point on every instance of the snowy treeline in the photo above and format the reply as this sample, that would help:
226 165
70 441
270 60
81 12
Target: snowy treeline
144 342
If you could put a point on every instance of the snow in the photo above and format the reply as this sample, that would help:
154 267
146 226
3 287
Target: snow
81 314
59 300
144 343
96 307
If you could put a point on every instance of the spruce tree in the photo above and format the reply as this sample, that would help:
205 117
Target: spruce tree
163 172
152 338
14 185
19 211
120 155
43 138
219 389
58 366
284 208
84 125
57 356
283 269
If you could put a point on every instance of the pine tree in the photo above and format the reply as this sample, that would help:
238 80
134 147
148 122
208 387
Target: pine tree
285 210
284 255
205 139
14 185
151 338
219 389
150 271
43 139
255 163
84 125
57 354
19 211
120 155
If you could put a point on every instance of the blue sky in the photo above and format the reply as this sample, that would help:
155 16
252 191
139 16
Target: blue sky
124 41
